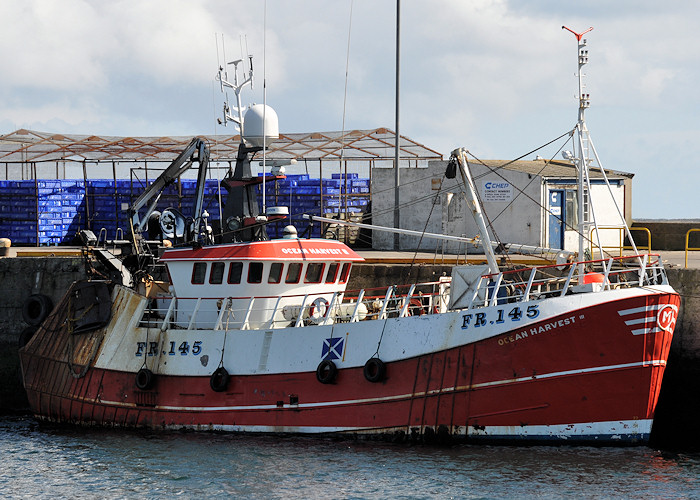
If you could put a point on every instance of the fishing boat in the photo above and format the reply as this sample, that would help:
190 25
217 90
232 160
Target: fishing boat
249 334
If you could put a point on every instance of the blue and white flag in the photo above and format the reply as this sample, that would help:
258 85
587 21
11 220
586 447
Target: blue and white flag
332 348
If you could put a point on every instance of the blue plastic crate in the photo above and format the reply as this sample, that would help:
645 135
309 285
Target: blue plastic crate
49 215
43 203
52 184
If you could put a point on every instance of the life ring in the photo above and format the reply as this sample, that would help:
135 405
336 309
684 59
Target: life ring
145 379
25 336
219 380
375 370
326 371
318 308
415 308
36 308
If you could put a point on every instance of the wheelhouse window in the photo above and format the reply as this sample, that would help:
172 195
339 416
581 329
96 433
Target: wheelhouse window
275 275
199 271
344 273
216 277
293 272
332 272
234 272
314 272
255 272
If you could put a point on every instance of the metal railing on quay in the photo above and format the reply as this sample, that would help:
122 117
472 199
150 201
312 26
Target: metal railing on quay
687 247
620 247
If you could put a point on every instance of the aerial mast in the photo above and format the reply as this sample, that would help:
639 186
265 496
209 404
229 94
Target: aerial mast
580 156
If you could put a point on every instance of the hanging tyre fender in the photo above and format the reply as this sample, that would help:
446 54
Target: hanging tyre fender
25 336
326 371
145 379
36 308
375 370
219 380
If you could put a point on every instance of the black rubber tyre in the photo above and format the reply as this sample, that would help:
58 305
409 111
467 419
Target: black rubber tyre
25 336
36 308
326 371
219 380
145 379
375 370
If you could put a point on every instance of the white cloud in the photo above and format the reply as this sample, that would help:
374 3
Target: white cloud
495 75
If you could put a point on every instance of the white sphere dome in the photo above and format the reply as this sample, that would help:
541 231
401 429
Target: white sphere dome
260 124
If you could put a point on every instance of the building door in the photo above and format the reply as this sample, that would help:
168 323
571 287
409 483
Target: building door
557 217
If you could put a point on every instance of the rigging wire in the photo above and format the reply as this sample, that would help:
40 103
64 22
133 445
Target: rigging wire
345 91
345 99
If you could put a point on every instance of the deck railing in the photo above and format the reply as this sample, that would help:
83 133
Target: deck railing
518 285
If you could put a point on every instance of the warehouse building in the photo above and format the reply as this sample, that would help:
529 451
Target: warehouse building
527 202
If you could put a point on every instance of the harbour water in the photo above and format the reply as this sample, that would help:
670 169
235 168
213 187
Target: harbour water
38 461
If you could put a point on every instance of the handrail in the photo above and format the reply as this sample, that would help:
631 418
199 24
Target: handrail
511 286
687 239
620 247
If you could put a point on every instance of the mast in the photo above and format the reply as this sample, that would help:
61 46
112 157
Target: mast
580 157
459 155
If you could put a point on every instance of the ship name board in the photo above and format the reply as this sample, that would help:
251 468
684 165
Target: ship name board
536 330
316 251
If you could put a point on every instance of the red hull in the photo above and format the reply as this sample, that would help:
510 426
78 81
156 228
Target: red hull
591 372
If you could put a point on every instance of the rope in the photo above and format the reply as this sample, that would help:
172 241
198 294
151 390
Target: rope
228 318
381 336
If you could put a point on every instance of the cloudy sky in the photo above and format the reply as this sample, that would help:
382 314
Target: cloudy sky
496 76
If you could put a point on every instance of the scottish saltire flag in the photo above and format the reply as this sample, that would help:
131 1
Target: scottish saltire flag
332 348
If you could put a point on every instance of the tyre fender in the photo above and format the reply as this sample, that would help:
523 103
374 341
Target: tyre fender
36 308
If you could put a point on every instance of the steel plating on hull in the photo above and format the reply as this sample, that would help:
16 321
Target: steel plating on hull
445 379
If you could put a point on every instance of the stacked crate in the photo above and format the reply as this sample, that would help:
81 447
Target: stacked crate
18 211
105 206
51 212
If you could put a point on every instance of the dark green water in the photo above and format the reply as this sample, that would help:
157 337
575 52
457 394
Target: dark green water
50 462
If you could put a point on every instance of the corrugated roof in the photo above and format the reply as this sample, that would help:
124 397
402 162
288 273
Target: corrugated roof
25 146
552 169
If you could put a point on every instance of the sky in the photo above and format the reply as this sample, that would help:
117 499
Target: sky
495 76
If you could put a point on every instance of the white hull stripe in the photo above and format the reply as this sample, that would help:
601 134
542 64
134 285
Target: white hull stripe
651 321
644 331
636 310
531 378
612 430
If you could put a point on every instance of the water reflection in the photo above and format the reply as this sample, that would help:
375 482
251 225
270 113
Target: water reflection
45 462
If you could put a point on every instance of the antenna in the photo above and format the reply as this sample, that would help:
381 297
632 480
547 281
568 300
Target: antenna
577 35
223 78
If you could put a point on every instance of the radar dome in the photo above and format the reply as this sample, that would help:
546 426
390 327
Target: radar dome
260 121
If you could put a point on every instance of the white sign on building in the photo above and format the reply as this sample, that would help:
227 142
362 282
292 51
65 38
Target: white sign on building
497 191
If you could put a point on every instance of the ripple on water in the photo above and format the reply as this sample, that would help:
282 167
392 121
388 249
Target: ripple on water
48 462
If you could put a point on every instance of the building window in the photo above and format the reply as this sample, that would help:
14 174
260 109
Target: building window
217 273
332 272
571 209
255 272
293 273
314 273
234 272
275 272
199 271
